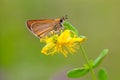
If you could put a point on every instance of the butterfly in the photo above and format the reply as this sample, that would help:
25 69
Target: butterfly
41 28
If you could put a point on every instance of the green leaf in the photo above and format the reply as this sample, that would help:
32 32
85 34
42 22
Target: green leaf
91 63
102 74
77 72
100 58
67 25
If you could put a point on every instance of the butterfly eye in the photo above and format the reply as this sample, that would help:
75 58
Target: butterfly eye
61 20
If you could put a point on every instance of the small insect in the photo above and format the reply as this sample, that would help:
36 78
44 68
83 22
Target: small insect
41 28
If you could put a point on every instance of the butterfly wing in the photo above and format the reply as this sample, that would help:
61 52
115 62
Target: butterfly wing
40 28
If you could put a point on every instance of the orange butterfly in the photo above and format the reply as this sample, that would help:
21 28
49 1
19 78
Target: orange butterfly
41 28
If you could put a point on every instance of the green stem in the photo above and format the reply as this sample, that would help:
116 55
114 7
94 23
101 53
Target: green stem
86 59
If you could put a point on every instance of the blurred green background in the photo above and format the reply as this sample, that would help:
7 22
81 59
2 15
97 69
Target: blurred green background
20 57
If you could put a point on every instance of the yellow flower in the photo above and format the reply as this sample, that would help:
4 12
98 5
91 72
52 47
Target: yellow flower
66 42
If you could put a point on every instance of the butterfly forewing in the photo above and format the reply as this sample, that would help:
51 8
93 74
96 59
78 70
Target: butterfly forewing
40 28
